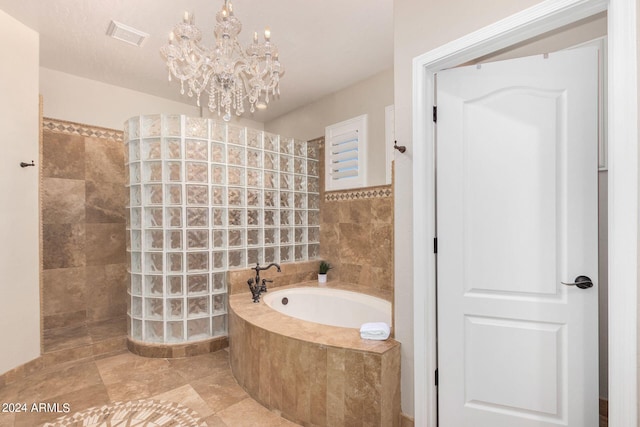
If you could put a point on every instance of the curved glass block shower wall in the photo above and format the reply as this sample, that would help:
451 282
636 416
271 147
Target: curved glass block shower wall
206 197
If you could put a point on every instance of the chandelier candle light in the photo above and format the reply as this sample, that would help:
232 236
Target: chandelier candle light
227 72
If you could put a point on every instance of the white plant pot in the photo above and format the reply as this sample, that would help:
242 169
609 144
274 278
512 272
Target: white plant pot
322 279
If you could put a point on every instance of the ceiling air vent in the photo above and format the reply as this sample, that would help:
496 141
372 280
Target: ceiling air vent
126 34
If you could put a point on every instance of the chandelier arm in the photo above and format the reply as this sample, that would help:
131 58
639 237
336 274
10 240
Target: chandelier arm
184 67
195 56
179 75
198 85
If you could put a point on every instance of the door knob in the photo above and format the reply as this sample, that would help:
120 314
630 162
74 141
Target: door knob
583 282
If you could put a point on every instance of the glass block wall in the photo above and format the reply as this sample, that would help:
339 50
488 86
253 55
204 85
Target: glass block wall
206 197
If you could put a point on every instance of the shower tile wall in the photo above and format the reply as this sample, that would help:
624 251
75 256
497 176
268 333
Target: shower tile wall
83 227
84 273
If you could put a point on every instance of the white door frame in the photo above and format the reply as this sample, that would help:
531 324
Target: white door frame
622 200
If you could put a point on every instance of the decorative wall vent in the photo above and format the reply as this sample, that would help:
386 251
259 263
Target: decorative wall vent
346 154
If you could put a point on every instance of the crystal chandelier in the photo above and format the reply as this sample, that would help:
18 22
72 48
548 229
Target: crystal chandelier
227 72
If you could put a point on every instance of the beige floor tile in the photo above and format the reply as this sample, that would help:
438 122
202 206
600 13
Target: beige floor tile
134 377
203 383
7 419
10 392
47 385
212 421
188 397
85 398
220 391
129 367
110 362
77 400
249 413
119 392
192 368
164 380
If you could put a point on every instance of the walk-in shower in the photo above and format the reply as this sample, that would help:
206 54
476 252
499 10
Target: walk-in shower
206 197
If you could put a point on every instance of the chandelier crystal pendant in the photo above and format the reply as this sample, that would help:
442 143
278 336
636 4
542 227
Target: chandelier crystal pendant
227 72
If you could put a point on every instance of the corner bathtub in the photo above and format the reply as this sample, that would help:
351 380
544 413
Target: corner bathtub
313 373
330 306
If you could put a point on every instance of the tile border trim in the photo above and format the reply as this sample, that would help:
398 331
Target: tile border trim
72 128
366 193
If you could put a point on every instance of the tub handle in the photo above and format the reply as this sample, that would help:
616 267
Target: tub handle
263 288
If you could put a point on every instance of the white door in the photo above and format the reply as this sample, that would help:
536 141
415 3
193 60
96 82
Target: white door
516 216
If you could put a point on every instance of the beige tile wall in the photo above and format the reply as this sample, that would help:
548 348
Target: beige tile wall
356 233
83 225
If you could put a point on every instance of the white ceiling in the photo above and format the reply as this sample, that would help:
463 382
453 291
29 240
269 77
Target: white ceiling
325 45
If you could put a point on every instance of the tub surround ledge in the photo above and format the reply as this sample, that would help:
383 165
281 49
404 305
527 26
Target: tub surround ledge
265 317
313 374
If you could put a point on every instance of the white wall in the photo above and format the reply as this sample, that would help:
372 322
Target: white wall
19 251
77 99
369 96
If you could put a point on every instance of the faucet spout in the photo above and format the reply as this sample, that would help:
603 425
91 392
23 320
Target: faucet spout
255 285
257 268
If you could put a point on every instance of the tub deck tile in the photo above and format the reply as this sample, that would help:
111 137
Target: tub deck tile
335 386
313 374
318 392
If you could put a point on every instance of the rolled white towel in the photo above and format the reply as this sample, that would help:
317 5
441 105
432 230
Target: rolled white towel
375 331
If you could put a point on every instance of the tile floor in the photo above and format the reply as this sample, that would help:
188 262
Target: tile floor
202 383
110 334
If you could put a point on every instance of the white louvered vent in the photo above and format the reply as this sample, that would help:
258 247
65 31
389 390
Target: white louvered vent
345 154
127 34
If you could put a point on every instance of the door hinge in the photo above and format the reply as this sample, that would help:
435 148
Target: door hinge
436 377
435 114
435 245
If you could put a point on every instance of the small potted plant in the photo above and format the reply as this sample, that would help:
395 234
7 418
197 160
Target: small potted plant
322 272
